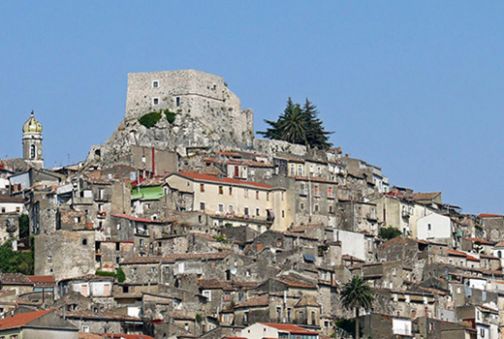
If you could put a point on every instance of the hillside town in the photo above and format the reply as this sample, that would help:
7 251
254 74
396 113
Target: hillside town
184 224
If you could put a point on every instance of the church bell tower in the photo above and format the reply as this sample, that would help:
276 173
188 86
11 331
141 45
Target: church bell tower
32 142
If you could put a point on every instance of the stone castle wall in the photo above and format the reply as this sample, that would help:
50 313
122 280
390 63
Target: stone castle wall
200 95
208 115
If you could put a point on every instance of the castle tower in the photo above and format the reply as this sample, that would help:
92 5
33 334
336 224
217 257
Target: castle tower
32 142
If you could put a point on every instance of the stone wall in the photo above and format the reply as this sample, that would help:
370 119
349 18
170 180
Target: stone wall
65 254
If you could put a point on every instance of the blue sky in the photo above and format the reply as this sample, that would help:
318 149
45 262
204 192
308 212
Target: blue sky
416 87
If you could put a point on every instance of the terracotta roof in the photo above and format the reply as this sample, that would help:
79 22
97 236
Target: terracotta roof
291 328
490 215
21 319
126 336
83 335
294 282
176 256
230 181
42 279
462 254
426 196
90 277
6 199
257 301
214 284
107 315
21 279
481 241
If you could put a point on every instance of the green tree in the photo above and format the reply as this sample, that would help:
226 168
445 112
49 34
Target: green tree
388 233
316 134
299 125
120 275
15 262
356 294
24 226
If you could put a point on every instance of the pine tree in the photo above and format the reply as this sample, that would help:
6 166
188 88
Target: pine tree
316 134
299 125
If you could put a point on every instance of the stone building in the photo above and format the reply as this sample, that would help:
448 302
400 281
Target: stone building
32 142
231 201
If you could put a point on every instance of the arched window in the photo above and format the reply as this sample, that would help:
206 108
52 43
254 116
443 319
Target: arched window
33 151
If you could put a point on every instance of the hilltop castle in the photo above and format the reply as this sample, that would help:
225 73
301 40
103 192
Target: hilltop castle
207 114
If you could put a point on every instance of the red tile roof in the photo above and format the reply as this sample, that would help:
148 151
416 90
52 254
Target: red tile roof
490 215
291 328
230 181
21 319
126 336
481 241
462 254
42 279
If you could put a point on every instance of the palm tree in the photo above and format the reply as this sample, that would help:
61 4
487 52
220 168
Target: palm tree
356 294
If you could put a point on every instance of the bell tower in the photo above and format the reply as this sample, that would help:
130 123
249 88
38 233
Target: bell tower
32 142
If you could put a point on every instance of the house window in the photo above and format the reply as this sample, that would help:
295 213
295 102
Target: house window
289 315
267 196
231 209
246 211
245 192
221 208
155 84
257 212
245 318
118 246
155 101
300 170
330 191
316 190
202 206
177 101
230 190
257 195
18 209
316 208
84 242
301 206
221 190
207 294
3 209
429 227
331 209
279 314
202 187
283 214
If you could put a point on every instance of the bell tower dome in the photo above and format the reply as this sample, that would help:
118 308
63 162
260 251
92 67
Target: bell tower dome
32 142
